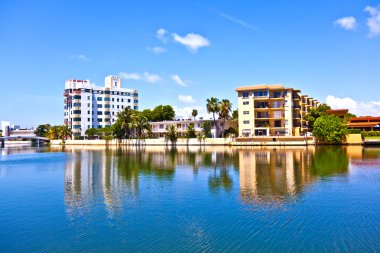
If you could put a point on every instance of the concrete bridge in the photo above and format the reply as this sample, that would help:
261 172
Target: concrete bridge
36 138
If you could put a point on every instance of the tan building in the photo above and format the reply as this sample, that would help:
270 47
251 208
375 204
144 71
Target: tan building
273 110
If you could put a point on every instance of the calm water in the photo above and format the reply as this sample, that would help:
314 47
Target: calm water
189 200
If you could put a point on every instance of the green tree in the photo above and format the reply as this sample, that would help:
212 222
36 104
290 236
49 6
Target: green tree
42 130
105 133
194 113
225 109
91 133
315 113
330 129
235 115
54 133
191 131
163 112
206 129
213 107
172 134
142 126
65 132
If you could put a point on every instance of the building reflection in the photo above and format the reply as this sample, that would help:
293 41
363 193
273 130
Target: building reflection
271 176
114 176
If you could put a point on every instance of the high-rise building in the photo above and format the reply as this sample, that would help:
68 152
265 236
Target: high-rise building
273 110
88 106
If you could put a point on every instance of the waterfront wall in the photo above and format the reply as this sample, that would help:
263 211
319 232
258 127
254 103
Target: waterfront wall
190 142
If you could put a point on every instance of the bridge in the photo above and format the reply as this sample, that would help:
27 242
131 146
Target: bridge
36 138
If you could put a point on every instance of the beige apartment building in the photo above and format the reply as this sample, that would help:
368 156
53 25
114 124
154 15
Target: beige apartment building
273 110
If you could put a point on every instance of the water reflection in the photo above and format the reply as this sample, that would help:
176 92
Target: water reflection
262 175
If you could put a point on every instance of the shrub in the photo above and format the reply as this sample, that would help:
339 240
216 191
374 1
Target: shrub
330 129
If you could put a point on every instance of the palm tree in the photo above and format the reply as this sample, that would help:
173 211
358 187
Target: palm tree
213 107
172 134
65 131
225 109
191 131
142 124
54 133
194 113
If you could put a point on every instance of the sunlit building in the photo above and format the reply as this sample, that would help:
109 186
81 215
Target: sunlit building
88 106
273 110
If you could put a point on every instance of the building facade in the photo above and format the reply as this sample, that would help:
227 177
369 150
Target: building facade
88 106
159 129
273 110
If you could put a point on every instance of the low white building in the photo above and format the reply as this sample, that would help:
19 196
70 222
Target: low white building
159 129
88 106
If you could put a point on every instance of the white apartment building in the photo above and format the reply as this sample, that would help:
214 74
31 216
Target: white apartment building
88 106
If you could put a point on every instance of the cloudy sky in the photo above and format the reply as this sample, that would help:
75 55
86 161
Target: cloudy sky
182 52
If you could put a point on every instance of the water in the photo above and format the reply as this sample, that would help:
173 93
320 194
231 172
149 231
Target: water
213 199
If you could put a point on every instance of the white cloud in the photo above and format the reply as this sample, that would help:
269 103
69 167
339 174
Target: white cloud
371 108
178 80
161 35
347 23
373 22
79 57
151 78
185 112
191 41
186 99
131 76
157 50
237 21
146 77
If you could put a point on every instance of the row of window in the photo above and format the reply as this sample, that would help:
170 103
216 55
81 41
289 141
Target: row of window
106 92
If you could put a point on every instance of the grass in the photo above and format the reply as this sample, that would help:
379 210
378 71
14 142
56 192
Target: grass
372 138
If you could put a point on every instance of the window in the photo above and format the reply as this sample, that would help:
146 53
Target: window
106 106
113 113
261 93
135 101
161 126
117 106
122 107
129 100
276 104
99 106
77 97
135 94
277 94
76 127
100 113
76 104
106 99
246 103
245 94
135 108
246 122
88 105
100 120
107 120
117 99
88 112
122 100
76 119
77 112
99 98
245 112
113 99
106 113
88 97
113 106
88 119
277 114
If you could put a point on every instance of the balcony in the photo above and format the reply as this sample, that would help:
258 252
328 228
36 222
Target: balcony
262 115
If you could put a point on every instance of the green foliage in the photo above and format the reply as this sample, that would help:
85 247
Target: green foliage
92 133
213 107
163 112
42 130
350 115
206 129
354 131
231 131
235 115
370 133
59 132
330 129
194 113
172 134
315 113
105 133
329 161
191 131
225 108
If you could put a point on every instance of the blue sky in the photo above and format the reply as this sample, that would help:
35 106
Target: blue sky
182 52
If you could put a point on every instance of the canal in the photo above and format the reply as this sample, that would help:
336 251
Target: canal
214 199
